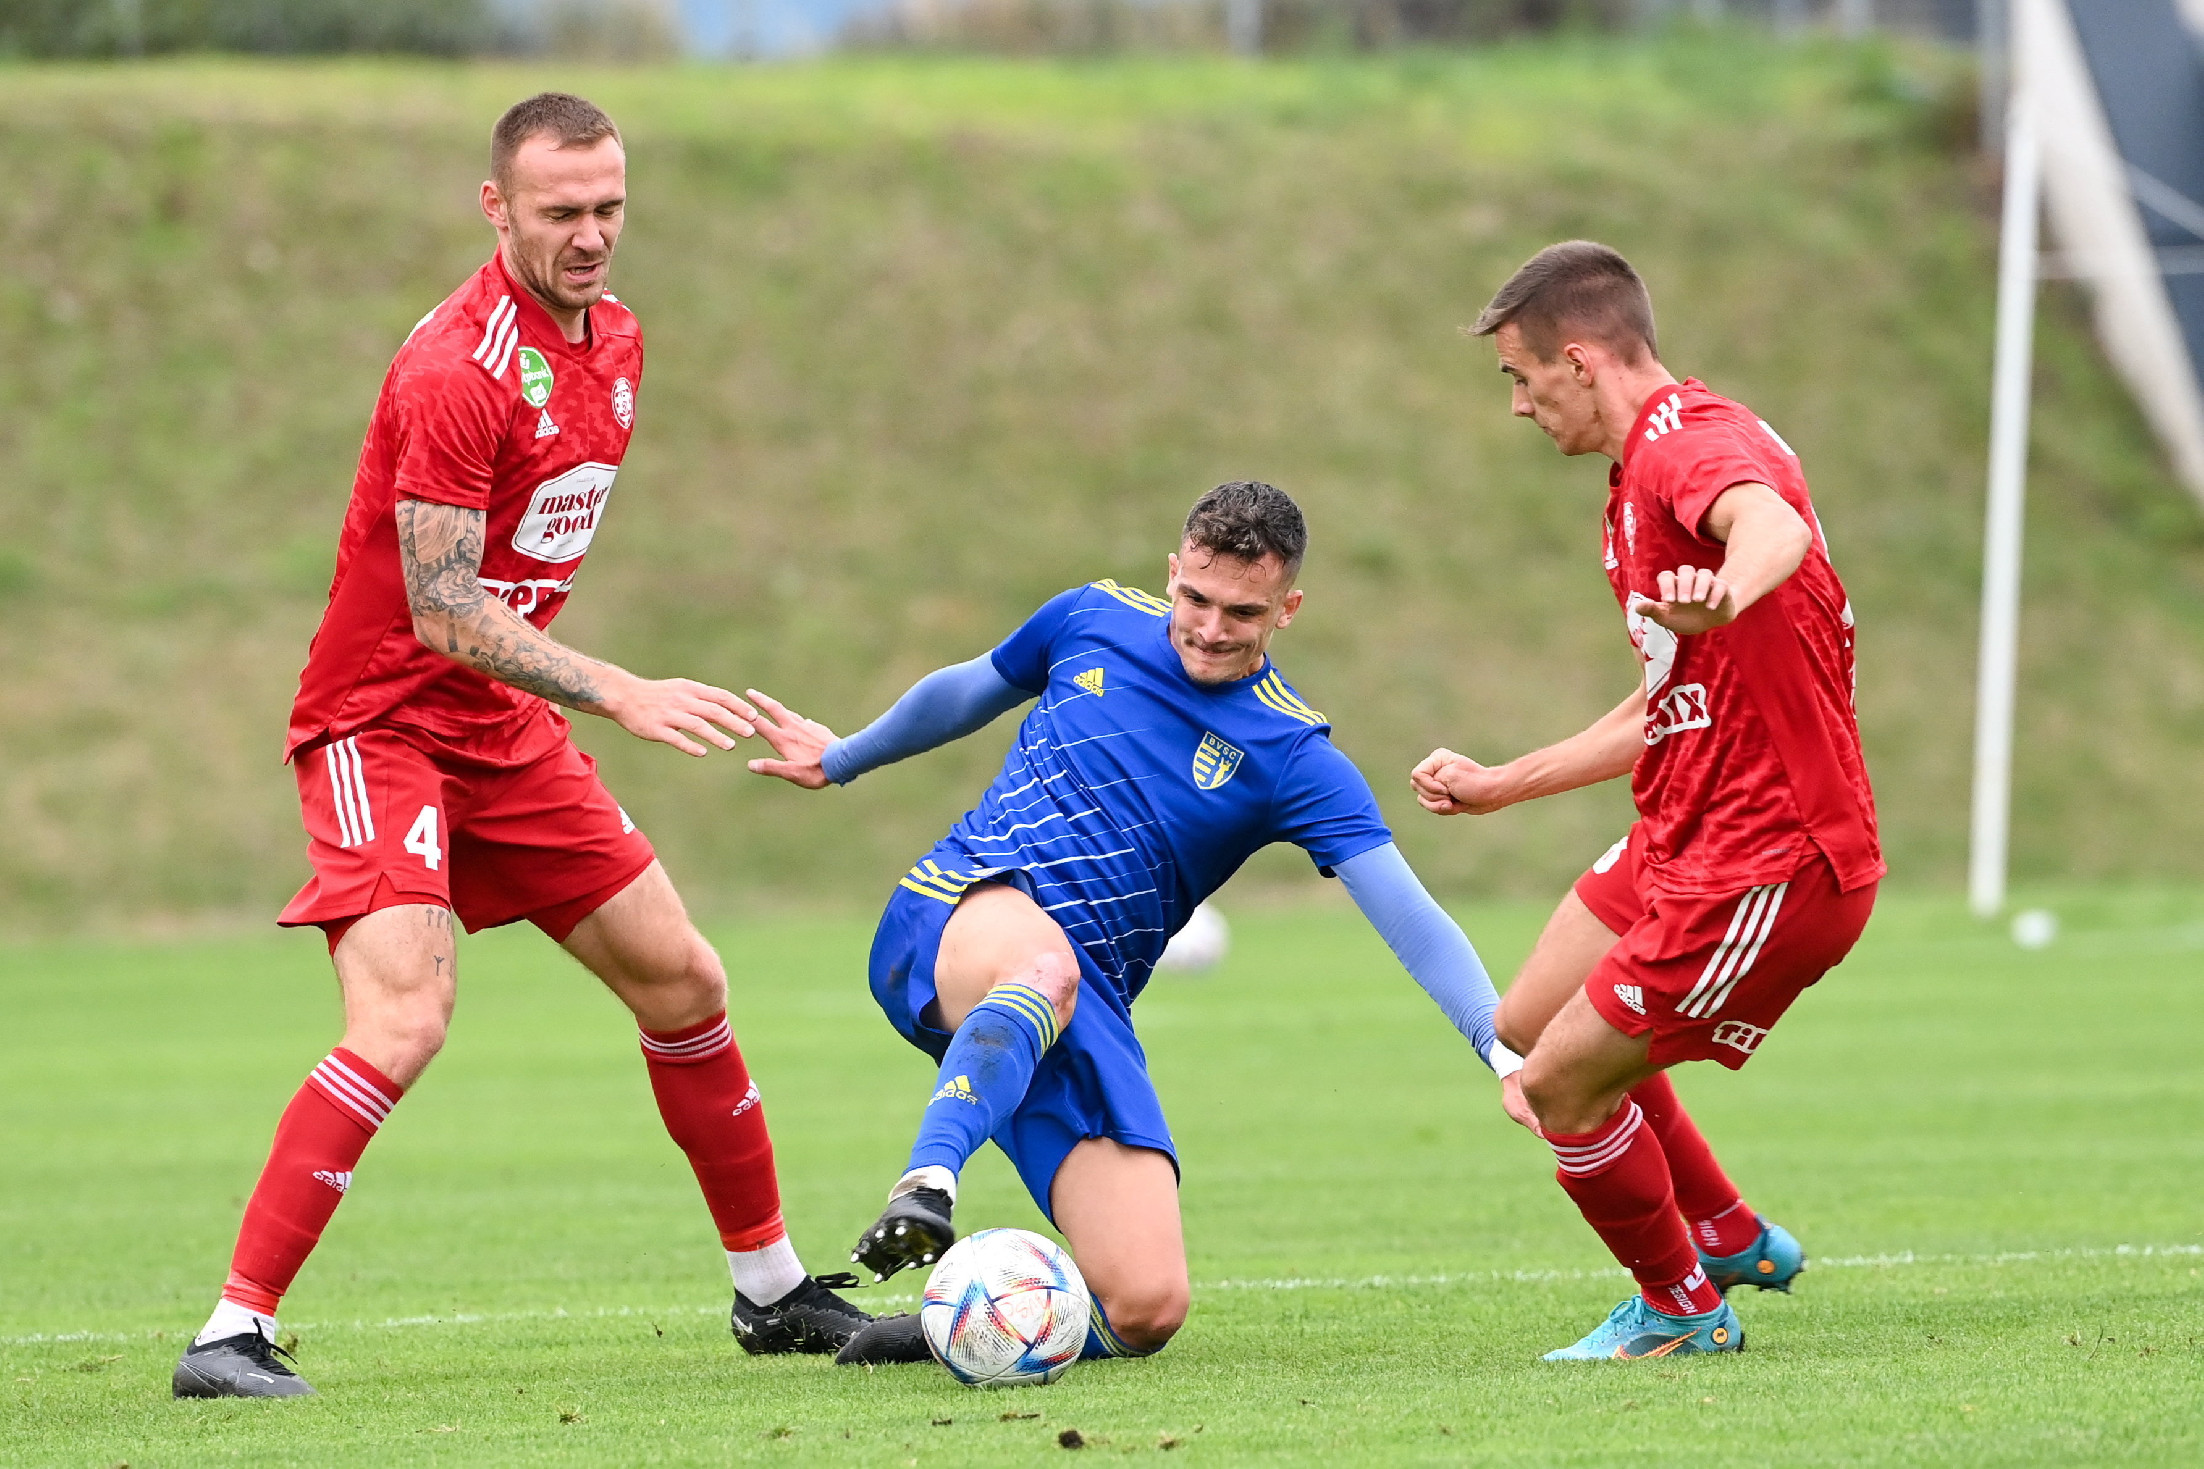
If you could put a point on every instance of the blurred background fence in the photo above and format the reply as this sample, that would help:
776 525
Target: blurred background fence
759 28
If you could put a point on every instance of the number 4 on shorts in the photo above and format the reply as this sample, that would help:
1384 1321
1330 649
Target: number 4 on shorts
421 841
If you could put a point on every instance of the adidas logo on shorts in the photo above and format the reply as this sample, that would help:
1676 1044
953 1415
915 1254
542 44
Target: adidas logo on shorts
1632 995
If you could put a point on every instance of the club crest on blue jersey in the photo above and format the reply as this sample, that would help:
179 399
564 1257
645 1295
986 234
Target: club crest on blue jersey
1214 762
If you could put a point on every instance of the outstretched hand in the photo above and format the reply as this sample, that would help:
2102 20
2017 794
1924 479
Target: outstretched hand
672 710
1513 1103
1694 599
1447 784
799 742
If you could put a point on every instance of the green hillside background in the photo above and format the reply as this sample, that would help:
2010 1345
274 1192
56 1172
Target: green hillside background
933 339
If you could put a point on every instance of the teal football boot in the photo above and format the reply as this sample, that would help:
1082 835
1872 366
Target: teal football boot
1634 1329
1772 1263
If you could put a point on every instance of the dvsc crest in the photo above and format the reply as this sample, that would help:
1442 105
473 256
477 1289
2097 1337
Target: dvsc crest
1214 762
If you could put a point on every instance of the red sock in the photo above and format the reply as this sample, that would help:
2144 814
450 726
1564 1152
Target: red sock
711 1109
1719 1222
321 1137
1620 1181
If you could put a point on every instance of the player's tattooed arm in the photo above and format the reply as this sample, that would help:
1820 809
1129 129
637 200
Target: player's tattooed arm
440 547
440 550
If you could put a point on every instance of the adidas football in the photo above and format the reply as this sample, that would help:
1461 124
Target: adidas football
1005 1307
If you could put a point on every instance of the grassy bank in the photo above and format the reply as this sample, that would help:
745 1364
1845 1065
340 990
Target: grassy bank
932 340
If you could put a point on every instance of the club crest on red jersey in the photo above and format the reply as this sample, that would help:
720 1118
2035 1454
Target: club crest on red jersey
623 402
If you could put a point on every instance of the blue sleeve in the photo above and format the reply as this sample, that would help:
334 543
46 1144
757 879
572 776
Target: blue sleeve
1324 806
1023 659
945 705
1429 944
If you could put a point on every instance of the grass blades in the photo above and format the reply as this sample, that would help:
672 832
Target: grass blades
1988 1153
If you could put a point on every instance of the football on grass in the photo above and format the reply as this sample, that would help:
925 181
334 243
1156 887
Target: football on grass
1005 1307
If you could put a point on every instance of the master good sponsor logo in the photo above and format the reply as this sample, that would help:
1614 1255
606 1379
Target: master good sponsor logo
1737 1033
535 378
1215 762
623 402
562 514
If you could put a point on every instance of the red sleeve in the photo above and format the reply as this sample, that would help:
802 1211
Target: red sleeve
1692 468
451 423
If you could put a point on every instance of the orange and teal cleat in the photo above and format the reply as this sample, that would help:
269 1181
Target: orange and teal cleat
1772 1263
1634 1329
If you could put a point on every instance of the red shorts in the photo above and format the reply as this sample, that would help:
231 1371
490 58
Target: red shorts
395 815
1708 976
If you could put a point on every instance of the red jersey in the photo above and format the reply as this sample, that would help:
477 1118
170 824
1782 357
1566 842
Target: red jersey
487 406
1752 753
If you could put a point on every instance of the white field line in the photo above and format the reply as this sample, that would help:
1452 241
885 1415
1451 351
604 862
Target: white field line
1367 1282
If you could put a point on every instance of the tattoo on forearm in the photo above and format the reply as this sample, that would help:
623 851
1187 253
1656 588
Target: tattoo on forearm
440 549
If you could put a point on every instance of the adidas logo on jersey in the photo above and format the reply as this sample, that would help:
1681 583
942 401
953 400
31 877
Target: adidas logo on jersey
749 1100
545 428
1632 995
338 1181
1666 419
959 1090
1091 681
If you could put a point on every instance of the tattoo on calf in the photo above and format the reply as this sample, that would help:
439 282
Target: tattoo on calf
440 548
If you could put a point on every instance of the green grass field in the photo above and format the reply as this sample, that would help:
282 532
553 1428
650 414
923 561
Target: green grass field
1991 1154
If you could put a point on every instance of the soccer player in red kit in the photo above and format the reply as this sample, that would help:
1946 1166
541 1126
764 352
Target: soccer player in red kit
1753 864
436 780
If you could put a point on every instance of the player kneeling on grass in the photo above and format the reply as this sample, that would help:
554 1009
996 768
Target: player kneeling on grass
1166 749
435 778
1753 865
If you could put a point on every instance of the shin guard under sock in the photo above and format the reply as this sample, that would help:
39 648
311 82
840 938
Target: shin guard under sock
712 1112
1719 1222
1619 1179
318 1142
984 1074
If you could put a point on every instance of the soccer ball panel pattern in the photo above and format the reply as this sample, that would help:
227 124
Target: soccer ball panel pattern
1005 1308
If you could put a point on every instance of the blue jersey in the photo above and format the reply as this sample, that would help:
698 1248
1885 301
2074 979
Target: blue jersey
1133 792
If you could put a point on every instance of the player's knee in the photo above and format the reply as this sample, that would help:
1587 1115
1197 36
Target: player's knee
1149 1315
1055 974
1517 1030
1560 1101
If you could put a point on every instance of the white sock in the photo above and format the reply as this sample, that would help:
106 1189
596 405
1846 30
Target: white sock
764 1276
933 1175
231 1319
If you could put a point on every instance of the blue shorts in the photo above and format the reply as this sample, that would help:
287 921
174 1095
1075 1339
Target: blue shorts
1092 1083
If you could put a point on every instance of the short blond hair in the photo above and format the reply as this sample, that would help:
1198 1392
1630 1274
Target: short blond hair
569 121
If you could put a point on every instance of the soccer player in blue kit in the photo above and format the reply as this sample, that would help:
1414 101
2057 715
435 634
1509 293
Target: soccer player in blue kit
1165 749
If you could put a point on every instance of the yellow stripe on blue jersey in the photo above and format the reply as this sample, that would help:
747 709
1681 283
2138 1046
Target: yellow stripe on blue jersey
1272 690
1134 597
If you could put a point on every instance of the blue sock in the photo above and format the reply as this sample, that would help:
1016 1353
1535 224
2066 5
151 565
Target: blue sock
984 1074
1103 1341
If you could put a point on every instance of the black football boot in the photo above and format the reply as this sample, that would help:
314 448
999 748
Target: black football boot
241 1366
913 1230
810 1318
887 1339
